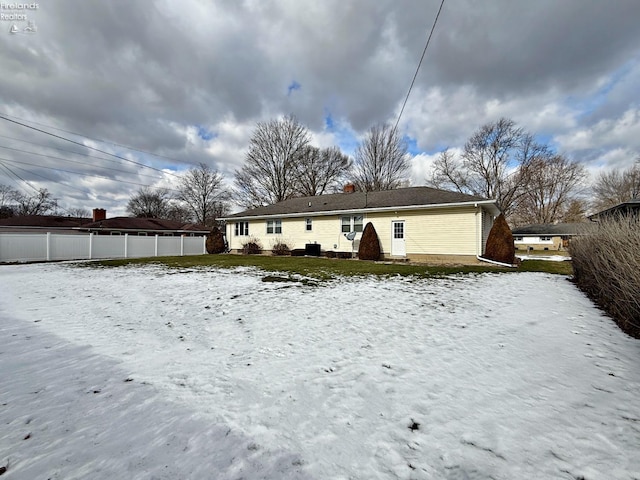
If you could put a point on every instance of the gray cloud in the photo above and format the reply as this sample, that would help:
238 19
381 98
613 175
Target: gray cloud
146 73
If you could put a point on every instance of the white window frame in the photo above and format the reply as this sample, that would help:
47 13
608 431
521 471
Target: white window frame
308 224
274 227
242 229
353 225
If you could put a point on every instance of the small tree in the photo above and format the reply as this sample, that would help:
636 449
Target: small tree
215 241
369 248
148 203
500 247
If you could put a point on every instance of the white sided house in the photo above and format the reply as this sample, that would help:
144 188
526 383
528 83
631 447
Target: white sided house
417 223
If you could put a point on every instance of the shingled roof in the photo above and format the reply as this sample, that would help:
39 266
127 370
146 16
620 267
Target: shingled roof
420 197
144 224
553 229
43 221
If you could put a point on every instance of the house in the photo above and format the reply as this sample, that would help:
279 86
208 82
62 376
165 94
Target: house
547 236
629 208
42 224
417 223
99 225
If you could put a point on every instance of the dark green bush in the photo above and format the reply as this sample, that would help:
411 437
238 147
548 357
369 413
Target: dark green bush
215 241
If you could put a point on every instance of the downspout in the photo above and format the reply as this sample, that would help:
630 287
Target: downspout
479 242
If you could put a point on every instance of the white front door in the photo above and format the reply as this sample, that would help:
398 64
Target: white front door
398 248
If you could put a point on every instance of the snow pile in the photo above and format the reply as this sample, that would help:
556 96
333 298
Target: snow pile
148 372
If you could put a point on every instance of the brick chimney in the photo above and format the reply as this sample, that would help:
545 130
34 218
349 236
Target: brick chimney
349 188
99 214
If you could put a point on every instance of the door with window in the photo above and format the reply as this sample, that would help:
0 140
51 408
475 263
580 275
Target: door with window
398 248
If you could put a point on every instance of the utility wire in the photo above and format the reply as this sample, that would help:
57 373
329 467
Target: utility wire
85 146
77 161
2 160
91 138
63 150
419 64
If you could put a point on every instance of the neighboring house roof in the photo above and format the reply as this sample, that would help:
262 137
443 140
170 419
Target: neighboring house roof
43 222
401 198
144 225
553 229
624 208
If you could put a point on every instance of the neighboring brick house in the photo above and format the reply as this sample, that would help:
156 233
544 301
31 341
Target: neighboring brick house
548 236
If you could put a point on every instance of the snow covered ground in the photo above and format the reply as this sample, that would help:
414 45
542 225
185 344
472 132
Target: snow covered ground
153 373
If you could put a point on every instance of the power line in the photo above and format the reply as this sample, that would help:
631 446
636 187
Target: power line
77 173
63 150
85 146
76 161
91 138
419 64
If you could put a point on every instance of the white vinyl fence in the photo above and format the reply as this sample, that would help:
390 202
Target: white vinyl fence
39 247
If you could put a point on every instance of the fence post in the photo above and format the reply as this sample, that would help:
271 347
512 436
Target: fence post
156 252
204 244
48 246
126 243
182 245
90 246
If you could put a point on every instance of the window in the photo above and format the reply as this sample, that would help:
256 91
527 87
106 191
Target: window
518 239
274 226
242 229
352 224
546 239
308 224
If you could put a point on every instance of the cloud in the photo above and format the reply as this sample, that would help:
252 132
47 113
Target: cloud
187 81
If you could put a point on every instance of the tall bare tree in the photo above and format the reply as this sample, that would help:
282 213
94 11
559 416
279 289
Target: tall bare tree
616 186
202 190
40 203
381 160
495 163
7 197
269 173
149 203
318 171
552 184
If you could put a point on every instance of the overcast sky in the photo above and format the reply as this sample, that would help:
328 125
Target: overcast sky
187 81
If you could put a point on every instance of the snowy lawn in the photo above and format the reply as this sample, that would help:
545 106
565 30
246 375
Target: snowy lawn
155 373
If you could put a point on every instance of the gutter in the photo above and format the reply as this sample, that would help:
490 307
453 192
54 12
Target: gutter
362 210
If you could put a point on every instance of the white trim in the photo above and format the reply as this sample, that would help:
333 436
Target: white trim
362 211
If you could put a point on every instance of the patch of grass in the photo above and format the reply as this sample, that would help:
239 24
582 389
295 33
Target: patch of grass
325 269
546 266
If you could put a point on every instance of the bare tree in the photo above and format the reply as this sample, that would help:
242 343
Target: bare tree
269 173
381 160
40 203
319 171
552 183
616 186
149 203
78 213
495 163
202 190
180 212
7 199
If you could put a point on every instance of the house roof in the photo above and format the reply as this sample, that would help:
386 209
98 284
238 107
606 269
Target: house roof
43 221
403 198
623 208
553 229
144 224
